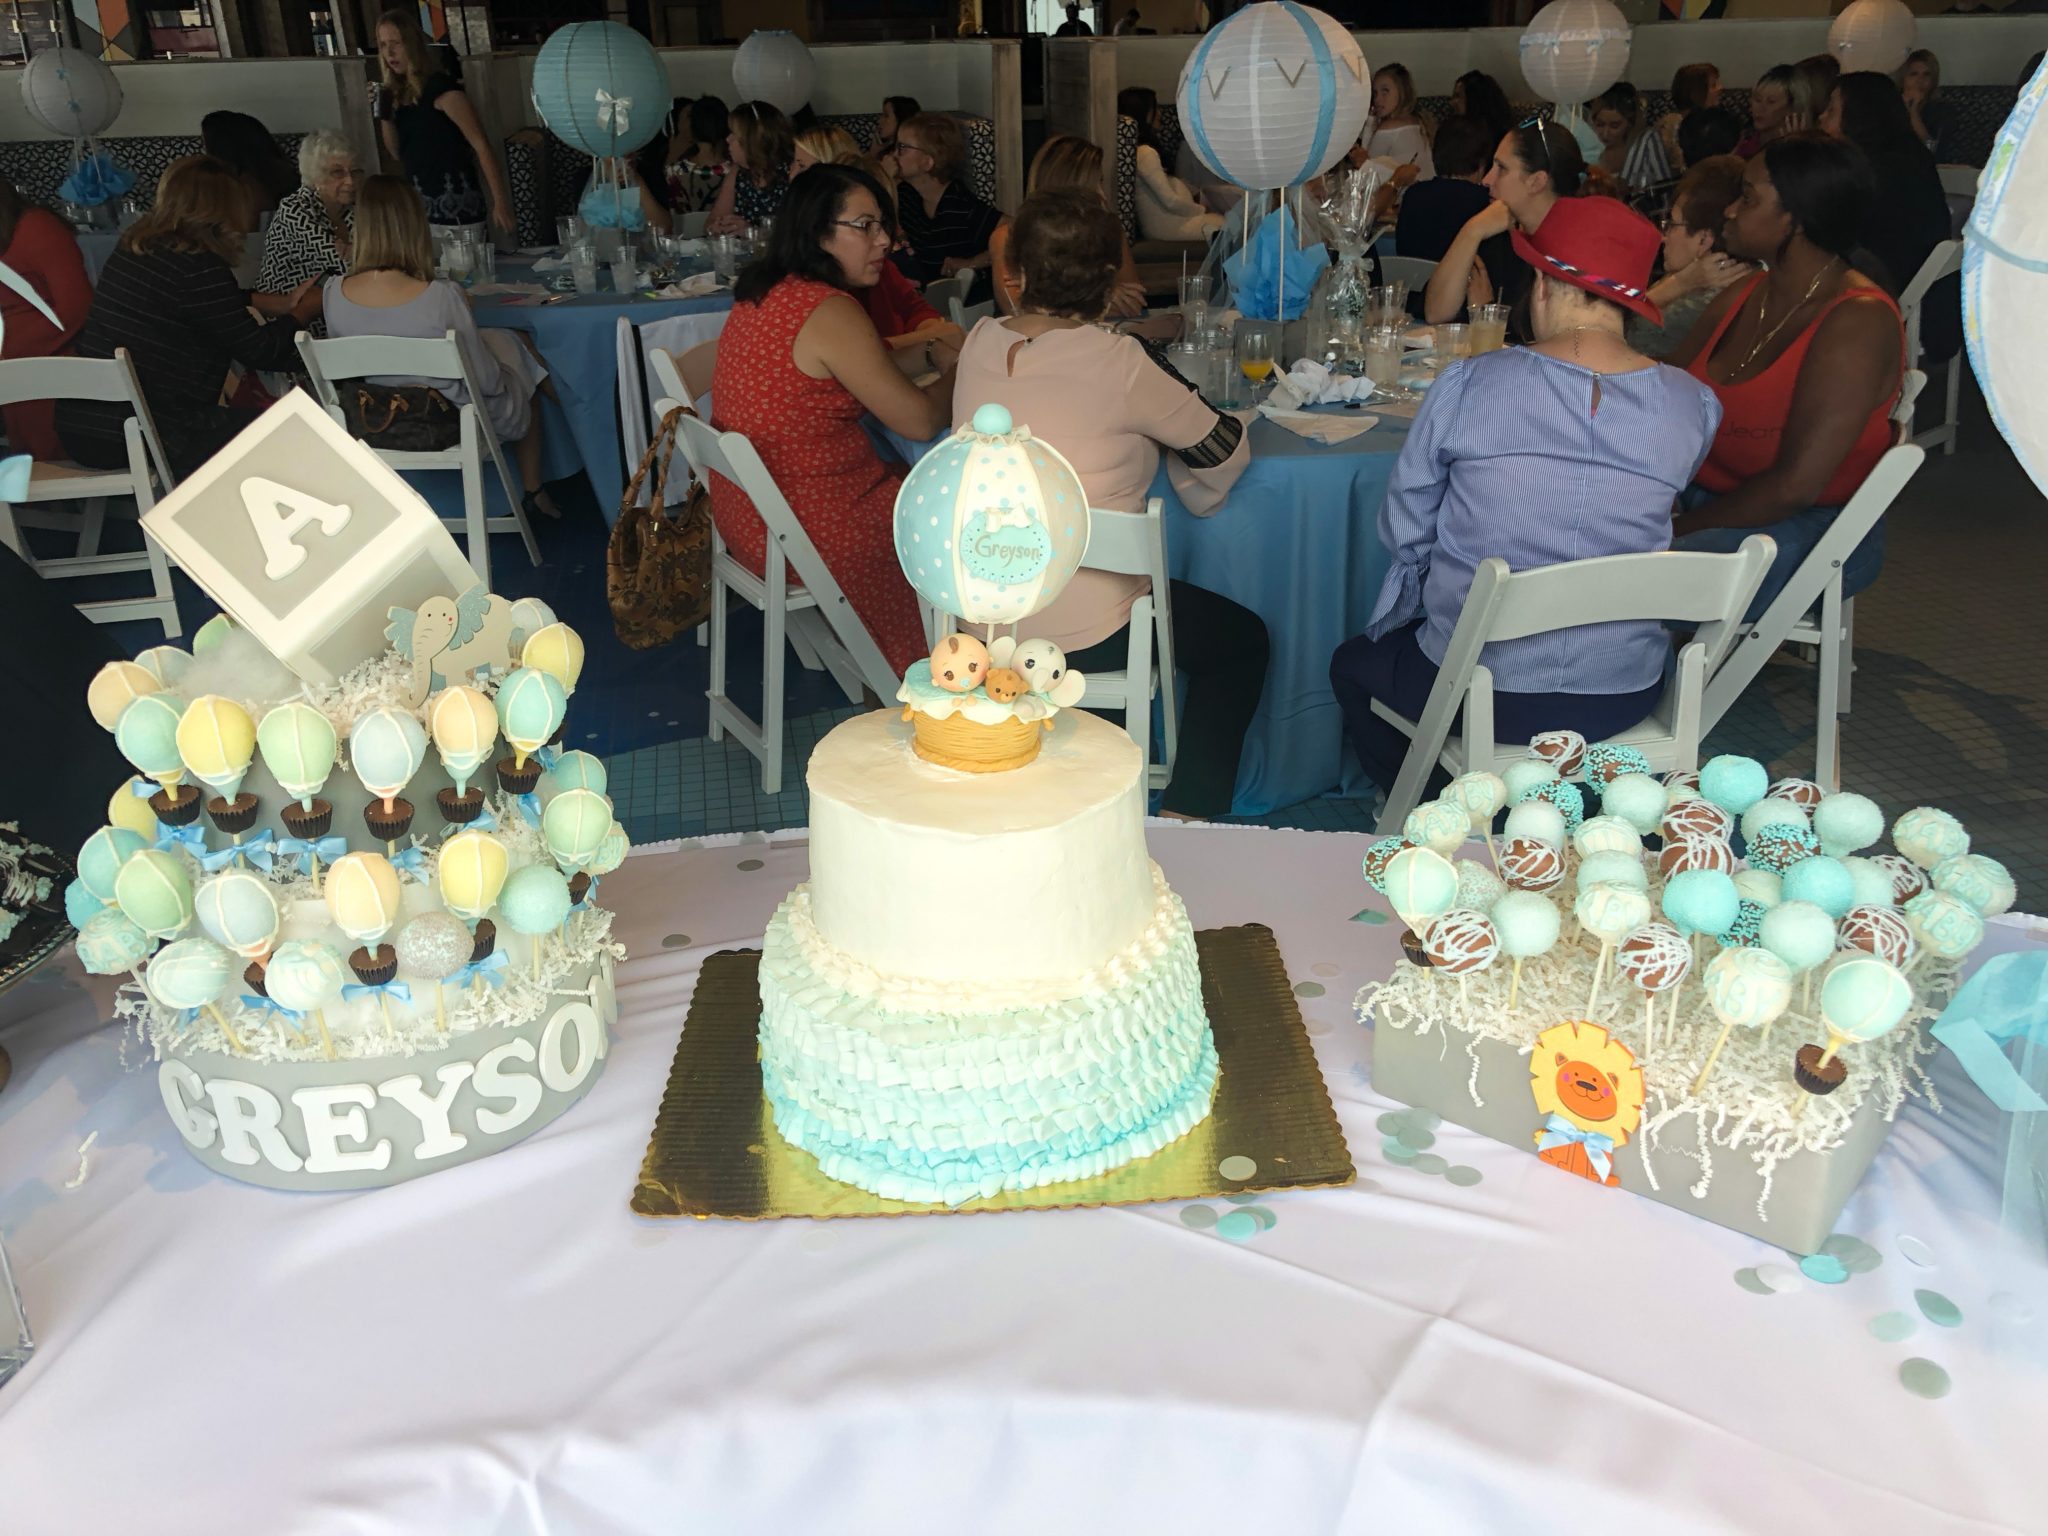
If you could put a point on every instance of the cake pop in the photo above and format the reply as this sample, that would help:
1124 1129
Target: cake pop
1880 931
1822 881
1683 854
1860 1000
1947 927
1609 760
1519 778
114 687
1782 844
1529 865
1478 887
386 748
557 650
1984 883
305 977
110 943
1607 834
236 910
1375 864
1908 879
128 807
611 853
1527 925
1459 943
1748 925
101 856
1750 987
1701 901
574 770
363 898
1697 818
192 974
1421 885
80 905
1437 824
217 743
1772 811
211 633
1683 779
1637 799
165 663
574 826
471 871
1610 913
1926 836
154 891
1613 869
531 706
435 945
1562 751
1871 882
298 744
1760 886
1803 936
1537 820
530 615
1847 824
1657 959
535 901
1482 795
1801 792
464 725
1568 798
1734 783
148 737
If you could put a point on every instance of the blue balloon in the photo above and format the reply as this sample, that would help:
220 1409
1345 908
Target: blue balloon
601 87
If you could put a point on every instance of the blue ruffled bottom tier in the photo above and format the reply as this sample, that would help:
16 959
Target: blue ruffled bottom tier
943 1108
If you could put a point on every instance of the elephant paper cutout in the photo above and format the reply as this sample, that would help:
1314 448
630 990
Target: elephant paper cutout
451 639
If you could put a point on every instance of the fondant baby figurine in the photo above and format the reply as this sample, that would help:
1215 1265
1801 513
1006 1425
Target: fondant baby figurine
959 663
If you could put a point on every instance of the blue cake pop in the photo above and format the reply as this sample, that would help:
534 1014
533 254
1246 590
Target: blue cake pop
109 943
1608 760
1521 777
1800 934
535 899
574 770
1822 881
1871 881
1734 783
101 858
1526 922
1847 824
1701 901
80 905
1637 799
1772 811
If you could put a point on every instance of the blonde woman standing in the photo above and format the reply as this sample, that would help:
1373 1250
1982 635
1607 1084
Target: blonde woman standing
428 125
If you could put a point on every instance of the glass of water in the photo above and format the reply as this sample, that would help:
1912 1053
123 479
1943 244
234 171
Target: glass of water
1383 356
1453 341
583 266
568 231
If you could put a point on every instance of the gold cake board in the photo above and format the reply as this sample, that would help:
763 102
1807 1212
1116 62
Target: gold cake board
715 1150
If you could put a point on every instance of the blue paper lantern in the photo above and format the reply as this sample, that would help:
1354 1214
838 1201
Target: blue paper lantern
601 87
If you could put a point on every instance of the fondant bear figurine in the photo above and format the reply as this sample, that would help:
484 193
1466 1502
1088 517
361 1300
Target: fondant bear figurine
959 663
1005 686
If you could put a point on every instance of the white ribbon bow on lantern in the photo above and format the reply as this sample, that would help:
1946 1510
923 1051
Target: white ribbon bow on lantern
613 112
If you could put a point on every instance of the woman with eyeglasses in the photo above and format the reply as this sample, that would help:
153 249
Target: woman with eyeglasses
799 367
1537 163
1696 268
946 228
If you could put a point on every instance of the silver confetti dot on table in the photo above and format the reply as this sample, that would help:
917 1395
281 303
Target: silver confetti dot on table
436 944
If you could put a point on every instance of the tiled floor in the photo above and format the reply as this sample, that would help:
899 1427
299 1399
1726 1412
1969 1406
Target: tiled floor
1950 696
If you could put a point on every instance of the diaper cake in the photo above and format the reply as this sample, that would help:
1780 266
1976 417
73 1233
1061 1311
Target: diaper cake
354 900
1710 989
986 984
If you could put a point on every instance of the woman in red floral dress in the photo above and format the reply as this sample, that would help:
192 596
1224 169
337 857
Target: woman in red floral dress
799 365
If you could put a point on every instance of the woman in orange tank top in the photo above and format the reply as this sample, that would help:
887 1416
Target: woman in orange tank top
1805 359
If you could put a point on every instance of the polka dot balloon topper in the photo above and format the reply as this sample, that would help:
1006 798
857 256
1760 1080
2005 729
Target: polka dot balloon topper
991 525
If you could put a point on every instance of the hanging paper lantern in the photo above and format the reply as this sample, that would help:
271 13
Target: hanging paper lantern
991 525
72 94
1873 34
1274 95
2005 323
1574 49
600 87
774 67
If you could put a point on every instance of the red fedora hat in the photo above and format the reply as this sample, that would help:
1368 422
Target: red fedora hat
1600 245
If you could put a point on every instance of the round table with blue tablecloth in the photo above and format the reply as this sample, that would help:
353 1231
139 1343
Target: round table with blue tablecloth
1297 542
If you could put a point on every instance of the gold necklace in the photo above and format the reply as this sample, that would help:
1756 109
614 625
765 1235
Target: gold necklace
1764 340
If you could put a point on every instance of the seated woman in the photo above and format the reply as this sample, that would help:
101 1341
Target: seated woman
1695 266
946 228
1694 88
1168 208
761 143
617 196
310 236
1110 404
699 163
824 144
1566 450
896 111
1806 360
1535 164
1932 121
1631 150
1433 211
799 367
922 339
41 248
1063 164
391 290
1909 216
168 294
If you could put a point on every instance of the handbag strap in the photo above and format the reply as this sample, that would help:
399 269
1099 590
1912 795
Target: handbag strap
656 459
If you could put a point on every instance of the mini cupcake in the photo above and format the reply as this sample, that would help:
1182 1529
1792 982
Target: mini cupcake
486 941
252 978
579 887
374 967
1411 946
177 806
1816 1079
233 816
388 821
460 809
518 781
300 822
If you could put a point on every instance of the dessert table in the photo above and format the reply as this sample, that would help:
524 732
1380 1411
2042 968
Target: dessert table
1297 542
1464 1340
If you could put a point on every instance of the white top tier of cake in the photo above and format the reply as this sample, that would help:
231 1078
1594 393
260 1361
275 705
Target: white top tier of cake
926 872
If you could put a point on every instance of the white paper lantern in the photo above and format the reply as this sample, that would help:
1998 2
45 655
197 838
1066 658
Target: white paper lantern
1274 96
71 93
1572 50
1873 34
2005 281
774 67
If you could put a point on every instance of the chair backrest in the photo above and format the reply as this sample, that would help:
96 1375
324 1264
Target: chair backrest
696 367
1910 385
1944 259
943 292
1412 270
1124 543
417 357
1960 180
86 378
967 316
668 378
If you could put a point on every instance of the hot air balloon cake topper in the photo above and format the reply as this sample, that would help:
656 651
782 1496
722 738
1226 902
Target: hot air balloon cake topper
990 527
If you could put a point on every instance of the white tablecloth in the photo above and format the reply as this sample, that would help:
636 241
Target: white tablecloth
504 1348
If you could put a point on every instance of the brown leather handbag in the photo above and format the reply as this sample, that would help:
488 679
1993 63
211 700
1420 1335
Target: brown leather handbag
658 567
405 418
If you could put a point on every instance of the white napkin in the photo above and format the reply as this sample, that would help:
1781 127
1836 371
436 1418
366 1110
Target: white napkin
1419 338
550 264
1318 426
1308 382
699 286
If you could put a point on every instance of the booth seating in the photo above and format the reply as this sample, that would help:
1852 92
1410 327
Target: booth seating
37 167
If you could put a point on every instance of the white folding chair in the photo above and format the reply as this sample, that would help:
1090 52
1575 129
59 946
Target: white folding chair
358 357
815 617
105 379
943 292
1134 544
1710 591
1944 259
967 316
1412 270
1960 180
1812 611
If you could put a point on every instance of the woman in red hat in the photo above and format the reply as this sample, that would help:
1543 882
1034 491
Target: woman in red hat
1805 359
1569 449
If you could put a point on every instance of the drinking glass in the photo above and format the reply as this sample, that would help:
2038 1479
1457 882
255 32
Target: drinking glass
1194 303
725 256
625 274
568 231
583 266
1453 341
485 262
1383 355
1255 356
459 261
1489 328
1396 304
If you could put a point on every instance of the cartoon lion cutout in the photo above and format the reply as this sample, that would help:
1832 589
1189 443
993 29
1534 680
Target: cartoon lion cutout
1591 1091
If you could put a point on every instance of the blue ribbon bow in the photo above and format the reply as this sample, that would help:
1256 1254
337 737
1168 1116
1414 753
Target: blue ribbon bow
141 789
307 849
547 757
529 807
412 861
490 970
257 1003
192 835
397 989
485 822
256 848
1560 1132
2006 1000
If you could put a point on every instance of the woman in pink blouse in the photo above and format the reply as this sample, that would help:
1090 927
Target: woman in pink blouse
1111 405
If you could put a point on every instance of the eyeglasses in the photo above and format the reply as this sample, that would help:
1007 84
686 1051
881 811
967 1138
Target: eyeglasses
866 228
903 144
1540 121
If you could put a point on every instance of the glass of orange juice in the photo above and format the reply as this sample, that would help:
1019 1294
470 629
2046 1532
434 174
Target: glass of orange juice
1255 356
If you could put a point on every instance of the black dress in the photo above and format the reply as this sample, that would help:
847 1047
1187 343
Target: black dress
1907 221
184 319
438 158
